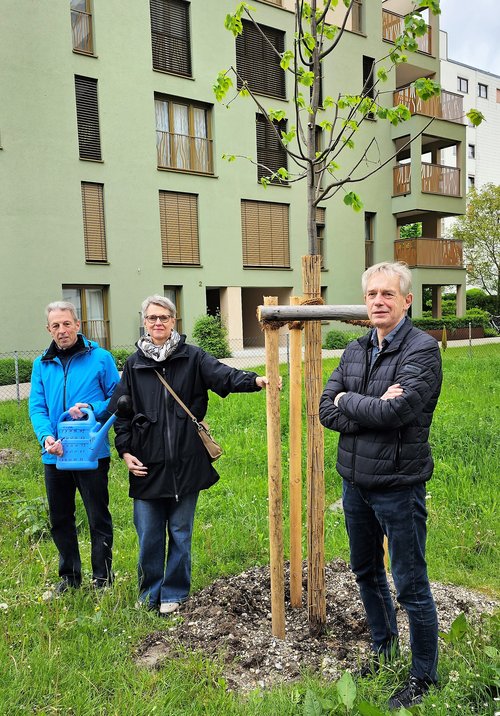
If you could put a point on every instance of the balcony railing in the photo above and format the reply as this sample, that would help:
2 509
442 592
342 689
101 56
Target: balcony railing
97 330
429 253
393 26
447 106
81 26
436 179
184 152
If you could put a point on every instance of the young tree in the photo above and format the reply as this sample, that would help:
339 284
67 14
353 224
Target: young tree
479 229
336 164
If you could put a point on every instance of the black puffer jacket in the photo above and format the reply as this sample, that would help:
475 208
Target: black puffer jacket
160 433
384 443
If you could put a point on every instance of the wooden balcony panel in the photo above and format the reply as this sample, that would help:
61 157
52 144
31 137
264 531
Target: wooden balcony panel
393 26
447 106
429 253
439 179
81 27
401 179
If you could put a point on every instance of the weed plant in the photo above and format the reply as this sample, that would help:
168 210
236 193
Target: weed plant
75 655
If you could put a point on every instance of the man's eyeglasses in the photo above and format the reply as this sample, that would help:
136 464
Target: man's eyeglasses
153 319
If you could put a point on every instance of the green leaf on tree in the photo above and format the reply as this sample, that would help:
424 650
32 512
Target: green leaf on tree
352 199
475 117
286 59
222 84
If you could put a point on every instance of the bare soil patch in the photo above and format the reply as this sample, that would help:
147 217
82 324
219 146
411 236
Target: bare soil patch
230 620
8 456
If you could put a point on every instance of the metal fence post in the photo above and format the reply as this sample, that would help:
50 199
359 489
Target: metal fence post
18 387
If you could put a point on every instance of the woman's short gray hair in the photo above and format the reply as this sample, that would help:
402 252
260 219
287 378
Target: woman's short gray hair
159 301
396 268
61 306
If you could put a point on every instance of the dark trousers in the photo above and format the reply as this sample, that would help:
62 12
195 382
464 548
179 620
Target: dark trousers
61 486
400 514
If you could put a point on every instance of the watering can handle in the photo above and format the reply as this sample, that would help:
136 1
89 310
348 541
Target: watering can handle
89 412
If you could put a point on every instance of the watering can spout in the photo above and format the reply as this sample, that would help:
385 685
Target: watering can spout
83 439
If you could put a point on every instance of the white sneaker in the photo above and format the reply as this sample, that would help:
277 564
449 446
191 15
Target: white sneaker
169 607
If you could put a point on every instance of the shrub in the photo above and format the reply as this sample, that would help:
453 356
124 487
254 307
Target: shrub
210 333
477 298
120 355
477 318
8 371
339 339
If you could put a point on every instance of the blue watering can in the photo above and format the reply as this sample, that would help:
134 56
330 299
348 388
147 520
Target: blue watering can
83 439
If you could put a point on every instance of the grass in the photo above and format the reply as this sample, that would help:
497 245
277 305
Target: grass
75 655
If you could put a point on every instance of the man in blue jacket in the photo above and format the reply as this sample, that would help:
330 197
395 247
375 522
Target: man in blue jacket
72 374
381 400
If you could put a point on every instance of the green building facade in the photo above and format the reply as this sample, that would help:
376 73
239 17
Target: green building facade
114 186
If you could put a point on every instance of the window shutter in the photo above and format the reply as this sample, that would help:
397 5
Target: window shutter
270 153
93 222
265 234
256 61
170 36
179 228
87 117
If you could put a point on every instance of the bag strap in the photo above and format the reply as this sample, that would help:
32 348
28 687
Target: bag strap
176 397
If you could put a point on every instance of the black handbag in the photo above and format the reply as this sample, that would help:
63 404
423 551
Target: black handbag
212 447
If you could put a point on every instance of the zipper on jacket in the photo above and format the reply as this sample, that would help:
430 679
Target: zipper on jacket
397 456
168 438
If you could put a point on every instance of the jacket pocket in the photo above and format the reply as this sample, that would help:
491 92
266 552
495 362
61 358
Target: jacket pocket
147 444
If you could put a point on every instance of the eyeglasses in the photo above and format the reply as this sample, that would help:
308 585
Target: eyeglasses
162 319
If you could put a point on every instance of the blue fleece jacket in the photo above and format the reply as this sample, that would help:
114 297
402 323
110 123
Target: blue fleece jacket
89 376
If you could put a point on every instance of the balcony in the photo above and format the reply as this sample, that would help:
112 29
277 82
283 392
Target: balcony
393 26
81 27
429 253
184 152
436 179
448 105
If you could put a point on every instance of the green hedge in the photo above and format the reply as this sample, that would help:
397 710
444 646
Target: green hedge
476 317
8 371
120 355
211 334
339 339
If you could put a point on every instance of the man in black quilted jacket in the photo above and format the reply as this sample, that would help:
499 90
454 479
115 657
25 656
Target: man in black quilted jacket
381 400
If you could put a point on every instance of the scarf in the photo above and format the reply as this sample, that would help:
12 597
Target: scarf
159 353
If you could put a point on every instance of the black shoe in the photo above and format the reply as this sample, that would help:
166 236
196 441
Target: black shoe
411 694
64 585
101 583
369 668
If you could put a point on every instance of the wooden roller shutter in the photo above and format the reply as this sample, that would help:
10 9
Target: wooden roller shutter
87 117
265 234
270 153
256 61
94 231
170 36
179 228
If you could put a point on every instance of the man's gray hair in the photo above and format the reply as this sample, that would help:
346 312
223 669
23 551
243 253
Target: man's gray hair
61 306
396 268
159 301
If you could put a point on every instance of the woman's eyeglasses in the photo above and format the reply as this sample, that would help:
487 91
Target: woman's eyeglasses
162 319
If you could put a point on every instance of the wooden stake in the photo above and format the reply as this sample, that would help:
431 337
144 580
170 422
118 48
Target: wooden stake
274 477
316 596
295 461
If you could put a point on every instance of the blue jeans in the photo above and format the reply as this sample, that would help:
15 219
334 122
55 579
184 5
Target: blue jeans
400 514
163 580
61 486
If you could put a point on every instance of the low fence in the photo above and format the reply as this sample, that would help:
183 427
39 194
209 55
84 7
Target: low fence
15 366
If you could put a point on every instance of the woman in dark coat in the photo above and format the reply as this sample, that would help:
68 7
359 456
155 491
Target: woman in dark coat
167 462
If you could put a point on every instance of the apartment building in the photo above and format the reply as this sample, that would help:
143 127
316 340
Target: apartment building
479 89
114 186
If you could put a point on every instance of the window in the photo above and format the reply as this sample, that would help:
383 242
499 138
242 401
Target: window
369 237
183 135
498 96
471 181
368 81
265 234
170 37
271 155
81 26
179 229
257 62
91 304
93 223
320 233
462 85
482 90
87 118
471 151
174 294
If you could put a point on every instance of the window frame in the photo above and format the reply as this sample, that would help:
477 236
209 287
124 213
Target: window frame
184 67
270 147
462 81
187 252
482 90
78 19
270 251
257 64
104 339
471 151
94 225
170 151
87 118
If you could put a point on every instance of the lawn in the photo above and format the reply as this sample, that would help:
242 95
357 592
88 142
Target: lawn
74 655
